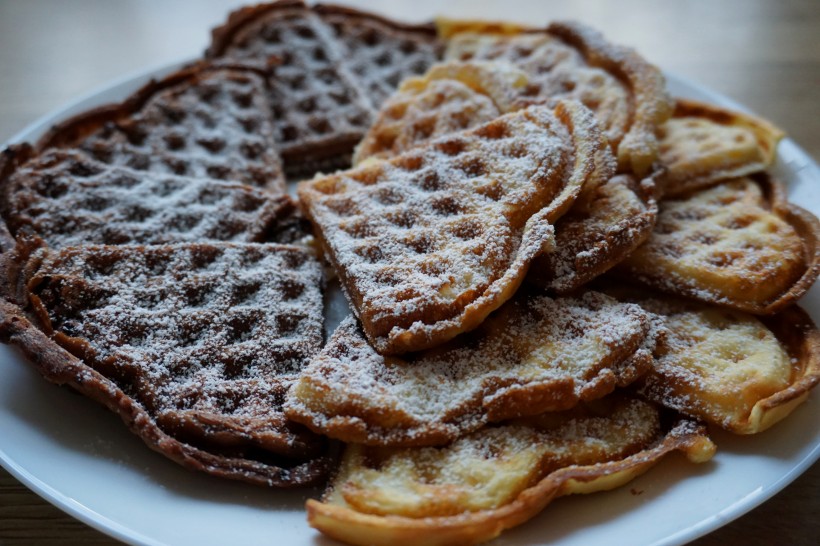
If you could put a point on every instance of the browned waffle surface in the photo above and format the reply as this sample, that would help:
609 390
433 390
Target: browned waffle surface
591 239
703 144
320 109
535 354
205 121
471 490
738 244
197 342
381 52
570 60
429 243
69 199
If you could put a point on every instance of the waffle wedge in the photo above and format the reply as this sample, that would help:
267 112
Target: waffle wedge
569 60
473 489
703 144
430 242
448 98
193 345
739 244
209 121
535 354
590 240
738 371
69 199
381 52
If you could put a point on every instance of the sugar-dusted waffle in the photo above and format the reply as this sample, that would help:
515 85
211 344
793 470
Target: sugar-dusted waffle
570 60
703 144
535 354
381 52
194 345
739 244
334 66
448 98
68 199
591 239
430 242
206 121
481 484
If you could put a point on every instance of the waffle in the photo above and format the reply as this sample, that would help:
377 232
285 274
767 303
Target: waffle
535 354
729 368
450 97
381 52
569 60
591 240
206 121
471 490
69 199
704 144
739 244
427 244
186 342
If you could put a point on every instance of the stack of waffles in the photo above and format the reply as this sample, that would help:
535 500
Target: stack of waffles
557 274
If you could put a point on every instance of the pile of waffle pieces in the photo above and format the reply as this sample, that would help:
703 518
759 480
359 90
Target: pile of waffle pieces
558 274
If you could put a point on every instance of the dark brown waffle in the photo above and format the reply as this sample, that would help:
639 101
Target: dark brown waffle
69 199
319 108
195 345
381 52
211 121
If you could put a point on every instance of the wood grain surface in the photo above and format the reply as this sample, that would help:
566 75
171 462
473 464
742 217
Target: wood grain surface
763 53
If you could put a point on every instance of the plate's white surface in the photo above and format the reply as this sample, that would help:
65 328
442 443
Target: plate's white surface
81 458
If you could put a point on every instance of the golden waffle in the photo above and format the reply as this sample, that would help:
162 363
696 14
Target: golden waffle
739 244
591 240
429 243
381 52
319 108
702 144
535 354
730 368
471 490
69 199
206 121
450 97
569 60
194 345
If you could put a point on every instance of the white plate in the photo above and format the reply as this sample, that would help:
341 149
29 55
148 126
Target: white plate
80 457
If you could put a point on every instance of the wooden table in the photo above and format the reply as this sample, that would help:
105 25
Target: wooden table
763 53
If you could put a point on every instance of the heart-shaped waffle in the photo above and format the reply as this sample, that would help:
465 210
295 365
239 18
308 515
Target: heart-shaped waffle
471 490
702 144
429 243
194 345
739 244
534 354
450 97
207 121
570 60
69 199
